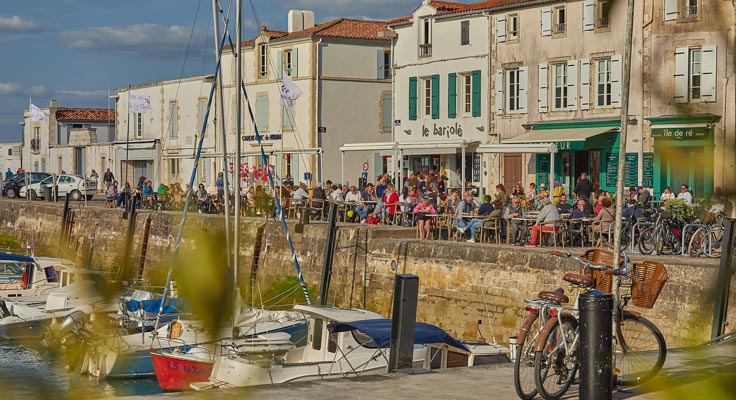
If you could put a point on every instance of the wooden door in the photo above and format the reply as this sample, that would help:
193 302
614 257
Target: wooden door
511 170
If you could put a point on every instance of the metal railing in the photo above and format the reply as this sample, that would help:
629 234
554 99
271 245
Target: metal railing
35 145
558 28
691 11
603 22
425 50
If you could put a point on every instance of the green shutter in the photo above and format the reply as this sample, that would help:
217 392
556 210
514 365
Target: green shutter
452 95
476 93
413 98
435 96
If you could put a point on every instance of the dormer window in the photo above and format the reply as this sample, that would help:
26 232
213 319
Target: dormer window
262 61
425 38
287 62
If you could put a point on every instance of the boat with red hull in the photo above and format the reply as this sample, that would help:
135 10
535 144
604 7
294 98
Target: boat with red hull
176 371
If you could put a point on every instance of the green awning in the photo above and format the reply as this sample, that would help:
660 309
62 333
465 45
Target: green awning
565 139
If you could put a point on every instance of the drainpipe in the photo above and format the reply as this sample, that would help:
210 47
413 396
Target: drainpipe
318 107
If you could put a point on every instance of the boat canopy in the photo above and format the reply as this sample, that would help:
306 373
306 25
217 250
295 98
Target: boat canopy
15 257
380 331
173 306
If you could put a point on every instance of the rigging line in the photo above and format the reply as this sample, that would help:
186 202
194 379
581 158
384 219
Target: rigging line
288 108
178 86
188 196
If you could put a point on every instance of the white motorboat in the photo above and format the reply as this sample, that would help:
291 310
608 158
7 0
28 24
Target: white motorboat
30 279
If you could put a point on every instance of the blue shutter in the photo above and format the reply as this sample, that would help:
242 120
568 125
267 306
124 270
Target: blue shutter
476 93
452 95
435 96
413 98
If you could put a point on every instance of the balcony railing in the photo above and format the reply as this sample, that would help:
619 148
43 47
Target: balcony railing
35 145
558 28
691 11
425 50
387 71
603 22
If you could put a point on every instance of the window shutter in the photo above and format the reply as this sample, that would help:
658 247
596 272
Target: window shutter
294 62
476 93
499 91
413 98
585 84
670 10
452 95
279 64
588 15
523 89
435 96
500 28
546 14
616 77
708 71
681 68
542 105
379 64
572 85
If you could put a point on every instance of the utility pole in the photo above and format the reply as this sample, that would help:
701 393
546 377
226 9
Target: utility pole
624 128
236 168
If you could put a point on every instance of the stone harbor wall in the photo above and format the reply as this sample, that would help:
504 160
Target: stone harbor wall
471 290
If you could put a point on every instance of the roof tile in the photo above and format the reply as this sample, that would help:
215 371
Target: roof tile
85 114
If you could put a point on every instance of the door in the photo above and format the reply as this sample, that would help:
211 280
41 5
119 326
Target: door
80 162
65 184
511 170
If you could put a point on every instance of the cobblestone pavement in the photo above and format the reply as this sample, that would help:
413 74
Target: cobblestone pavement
707 373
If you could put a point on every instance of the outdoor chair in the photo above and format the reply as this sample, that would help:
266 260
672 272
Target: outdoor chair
558 233
491 226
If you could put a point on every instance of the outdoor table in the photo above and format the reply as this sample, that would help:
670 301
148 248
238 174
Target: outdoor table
527 222
583 227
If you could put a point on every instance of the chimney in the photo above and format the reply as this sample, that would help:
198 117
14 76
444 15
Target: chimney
300 20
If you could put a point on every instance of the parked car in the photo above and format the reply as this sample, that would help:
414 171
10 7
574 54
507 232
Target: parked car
76 185
12 185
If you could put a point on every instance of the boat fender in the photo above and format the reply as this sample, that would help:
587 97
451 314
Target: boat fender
24 280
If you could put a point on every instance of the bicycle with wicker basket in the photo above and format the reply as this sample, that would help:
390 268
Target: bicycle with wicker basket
640 349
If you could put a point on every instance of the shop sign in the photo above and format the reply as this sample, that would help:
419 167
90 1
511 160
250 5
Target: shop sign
688 133
445 131
252 138
569 145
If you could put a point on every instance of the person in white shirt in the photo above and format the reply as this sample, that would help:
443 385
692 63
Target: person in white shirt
336 194
300 195
685 195
667 194
353 195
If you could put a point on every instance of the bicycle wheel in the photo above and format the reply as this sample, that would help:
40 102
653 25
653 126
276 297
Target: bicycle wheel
713 243
640 350
524 362
647 241
695 248
555 366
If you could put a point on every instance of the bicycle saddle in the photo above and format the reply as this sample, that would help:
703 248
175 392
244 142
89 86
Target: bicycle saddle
576 279
556 296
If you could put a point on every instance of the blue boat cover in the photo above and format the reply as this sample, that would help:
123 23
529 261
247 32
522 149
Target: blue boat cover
15 257
380 331
152 306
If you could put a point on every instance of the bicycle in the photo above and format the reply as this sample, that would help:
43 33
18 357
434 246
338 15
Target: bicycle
665 236
640 349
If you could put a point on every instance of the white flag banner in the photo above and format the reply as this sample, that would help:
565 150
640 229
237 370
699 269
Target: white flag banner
139 104
37 114
289 91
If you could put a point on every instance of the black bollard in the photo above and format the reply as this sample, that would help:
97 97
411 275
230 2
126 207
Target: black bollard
403 322
324 287
596 353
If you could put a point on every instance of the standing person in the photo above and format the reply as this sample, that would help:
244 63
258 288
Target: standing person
111 195
546 216
390 200
423 221
557 191
95 178
583 187
8 173
107 178
667 194
456 180
685 195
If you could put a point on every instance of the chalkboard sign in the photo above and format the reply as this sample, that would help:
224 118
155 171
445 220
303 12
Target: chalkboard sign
648 176
476 167
542 169
631 169
611 169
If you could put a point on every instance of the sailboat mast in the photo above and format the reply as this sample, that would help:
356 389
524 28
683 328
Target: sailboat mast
238 124
223 133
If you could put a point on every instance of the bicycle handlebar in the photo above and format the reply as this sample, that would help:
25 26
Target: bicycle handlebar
586 264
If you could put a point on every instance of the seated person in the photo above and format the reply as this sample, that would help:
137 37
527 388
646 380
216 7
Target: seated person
563 207
147 193
487 207
203 201
633 211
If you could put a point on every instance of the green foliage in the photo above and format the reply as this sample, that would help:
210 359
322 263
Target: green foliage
680 211
10 242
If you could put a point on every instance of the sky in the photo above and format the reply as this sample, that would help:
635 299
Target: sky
75 51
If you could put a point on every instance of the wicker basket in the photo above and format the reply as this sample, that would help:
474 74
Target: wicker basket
600 257
648 279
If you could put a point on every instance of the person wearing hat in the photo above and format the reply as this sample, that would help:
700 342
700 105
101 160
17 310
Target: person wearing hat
544 222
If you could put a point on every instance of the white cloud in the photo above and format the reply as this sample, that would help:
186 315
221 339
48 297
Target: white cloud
38 90
16 24
139 39
83 93
9 88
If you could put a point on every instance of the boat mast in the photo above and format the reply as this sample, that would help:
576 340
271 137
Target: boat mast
236 168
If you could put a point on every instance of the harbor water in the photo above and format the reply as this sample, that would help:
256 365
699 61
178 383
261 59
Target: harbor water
29 370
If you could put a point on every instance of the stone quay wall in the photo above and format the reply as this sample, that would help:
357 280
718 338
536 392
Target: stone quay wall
471 290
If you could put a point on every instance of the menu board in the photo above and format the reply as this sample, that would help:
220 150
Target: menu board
631 169
648 176
476 167
543 169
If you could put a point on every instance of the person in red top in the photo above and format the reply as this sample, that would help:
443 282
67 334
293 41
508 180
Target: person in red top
599 206
390 198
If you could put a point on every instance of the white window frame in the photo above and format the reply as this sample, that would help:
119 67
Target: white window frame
174 119
601 7
559 85
557 26
603 70
467 93
465 32
695 72
427 97
138 125
262 60
287 62
690 9
425 38
511 20
174 167
513 90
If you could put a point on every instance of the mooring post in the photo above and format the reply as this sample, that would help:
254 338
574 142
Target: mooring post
596 352
403 322
65 219
723 285
129 239
329 254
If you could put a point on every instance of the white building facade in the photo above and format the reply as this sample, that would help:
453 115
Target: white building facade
10 157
